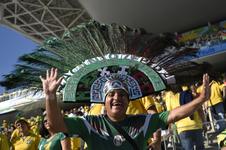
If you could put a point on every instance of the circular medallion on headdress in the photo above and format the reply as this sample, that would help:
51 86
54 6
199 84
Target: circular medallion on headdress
85 83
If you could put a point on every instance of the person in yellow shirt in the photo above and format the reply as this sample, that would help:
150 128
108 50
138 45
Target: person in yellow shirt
4 143
26 139
223 87
143 105
16 131
216 105
189 128
86 109
14 134
5 124
96 109
34 127
159 102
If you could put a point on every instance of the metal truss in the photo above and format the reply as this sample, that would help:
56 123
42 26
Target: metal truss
40 19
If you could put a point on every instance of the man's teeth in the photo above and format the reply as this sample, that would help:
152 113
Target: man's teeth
117 104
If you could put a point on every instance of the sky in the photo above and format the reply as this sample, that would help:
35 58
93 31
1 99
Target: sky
12 45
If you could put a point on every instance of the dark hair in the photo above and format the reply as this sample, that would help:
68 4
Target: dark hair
79 113
175 88
42 130
224 77
21 120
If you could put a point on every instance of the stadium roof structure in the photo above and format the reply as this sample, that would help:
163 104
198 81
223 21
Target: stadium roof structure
40 19
157 16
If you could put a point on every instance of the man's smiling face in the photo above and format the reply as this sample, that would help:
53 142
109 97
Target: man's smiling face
116 103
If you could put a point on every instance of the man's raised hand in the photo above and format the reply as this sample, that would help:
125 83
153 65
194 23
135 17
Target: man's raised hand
51 82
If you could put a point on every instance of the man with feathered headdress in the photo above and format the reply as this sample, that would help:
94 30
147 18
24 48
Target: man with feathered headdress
115 129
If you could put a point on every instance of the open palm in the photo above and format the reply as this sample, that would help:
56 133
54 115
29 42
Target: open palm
206 87
51 83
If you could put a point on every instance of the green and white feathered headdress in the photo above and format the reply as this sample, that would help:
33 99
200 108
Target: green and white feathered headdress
136 57
90 53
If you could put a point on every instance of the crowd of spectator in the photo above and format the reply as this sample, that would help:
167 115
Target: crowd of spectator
27 133
197 123
206 40
13 135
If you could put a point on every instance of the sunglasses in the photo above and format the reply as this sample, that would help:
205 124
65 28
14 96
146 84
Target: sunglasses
18 125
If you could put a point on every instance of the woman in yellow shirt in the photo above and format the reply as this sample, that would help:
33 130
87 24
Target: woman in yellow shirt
26 139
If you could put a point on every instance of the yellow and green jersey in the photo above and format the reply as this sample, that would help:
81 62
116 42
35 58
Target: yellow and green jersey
26 142
52 143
